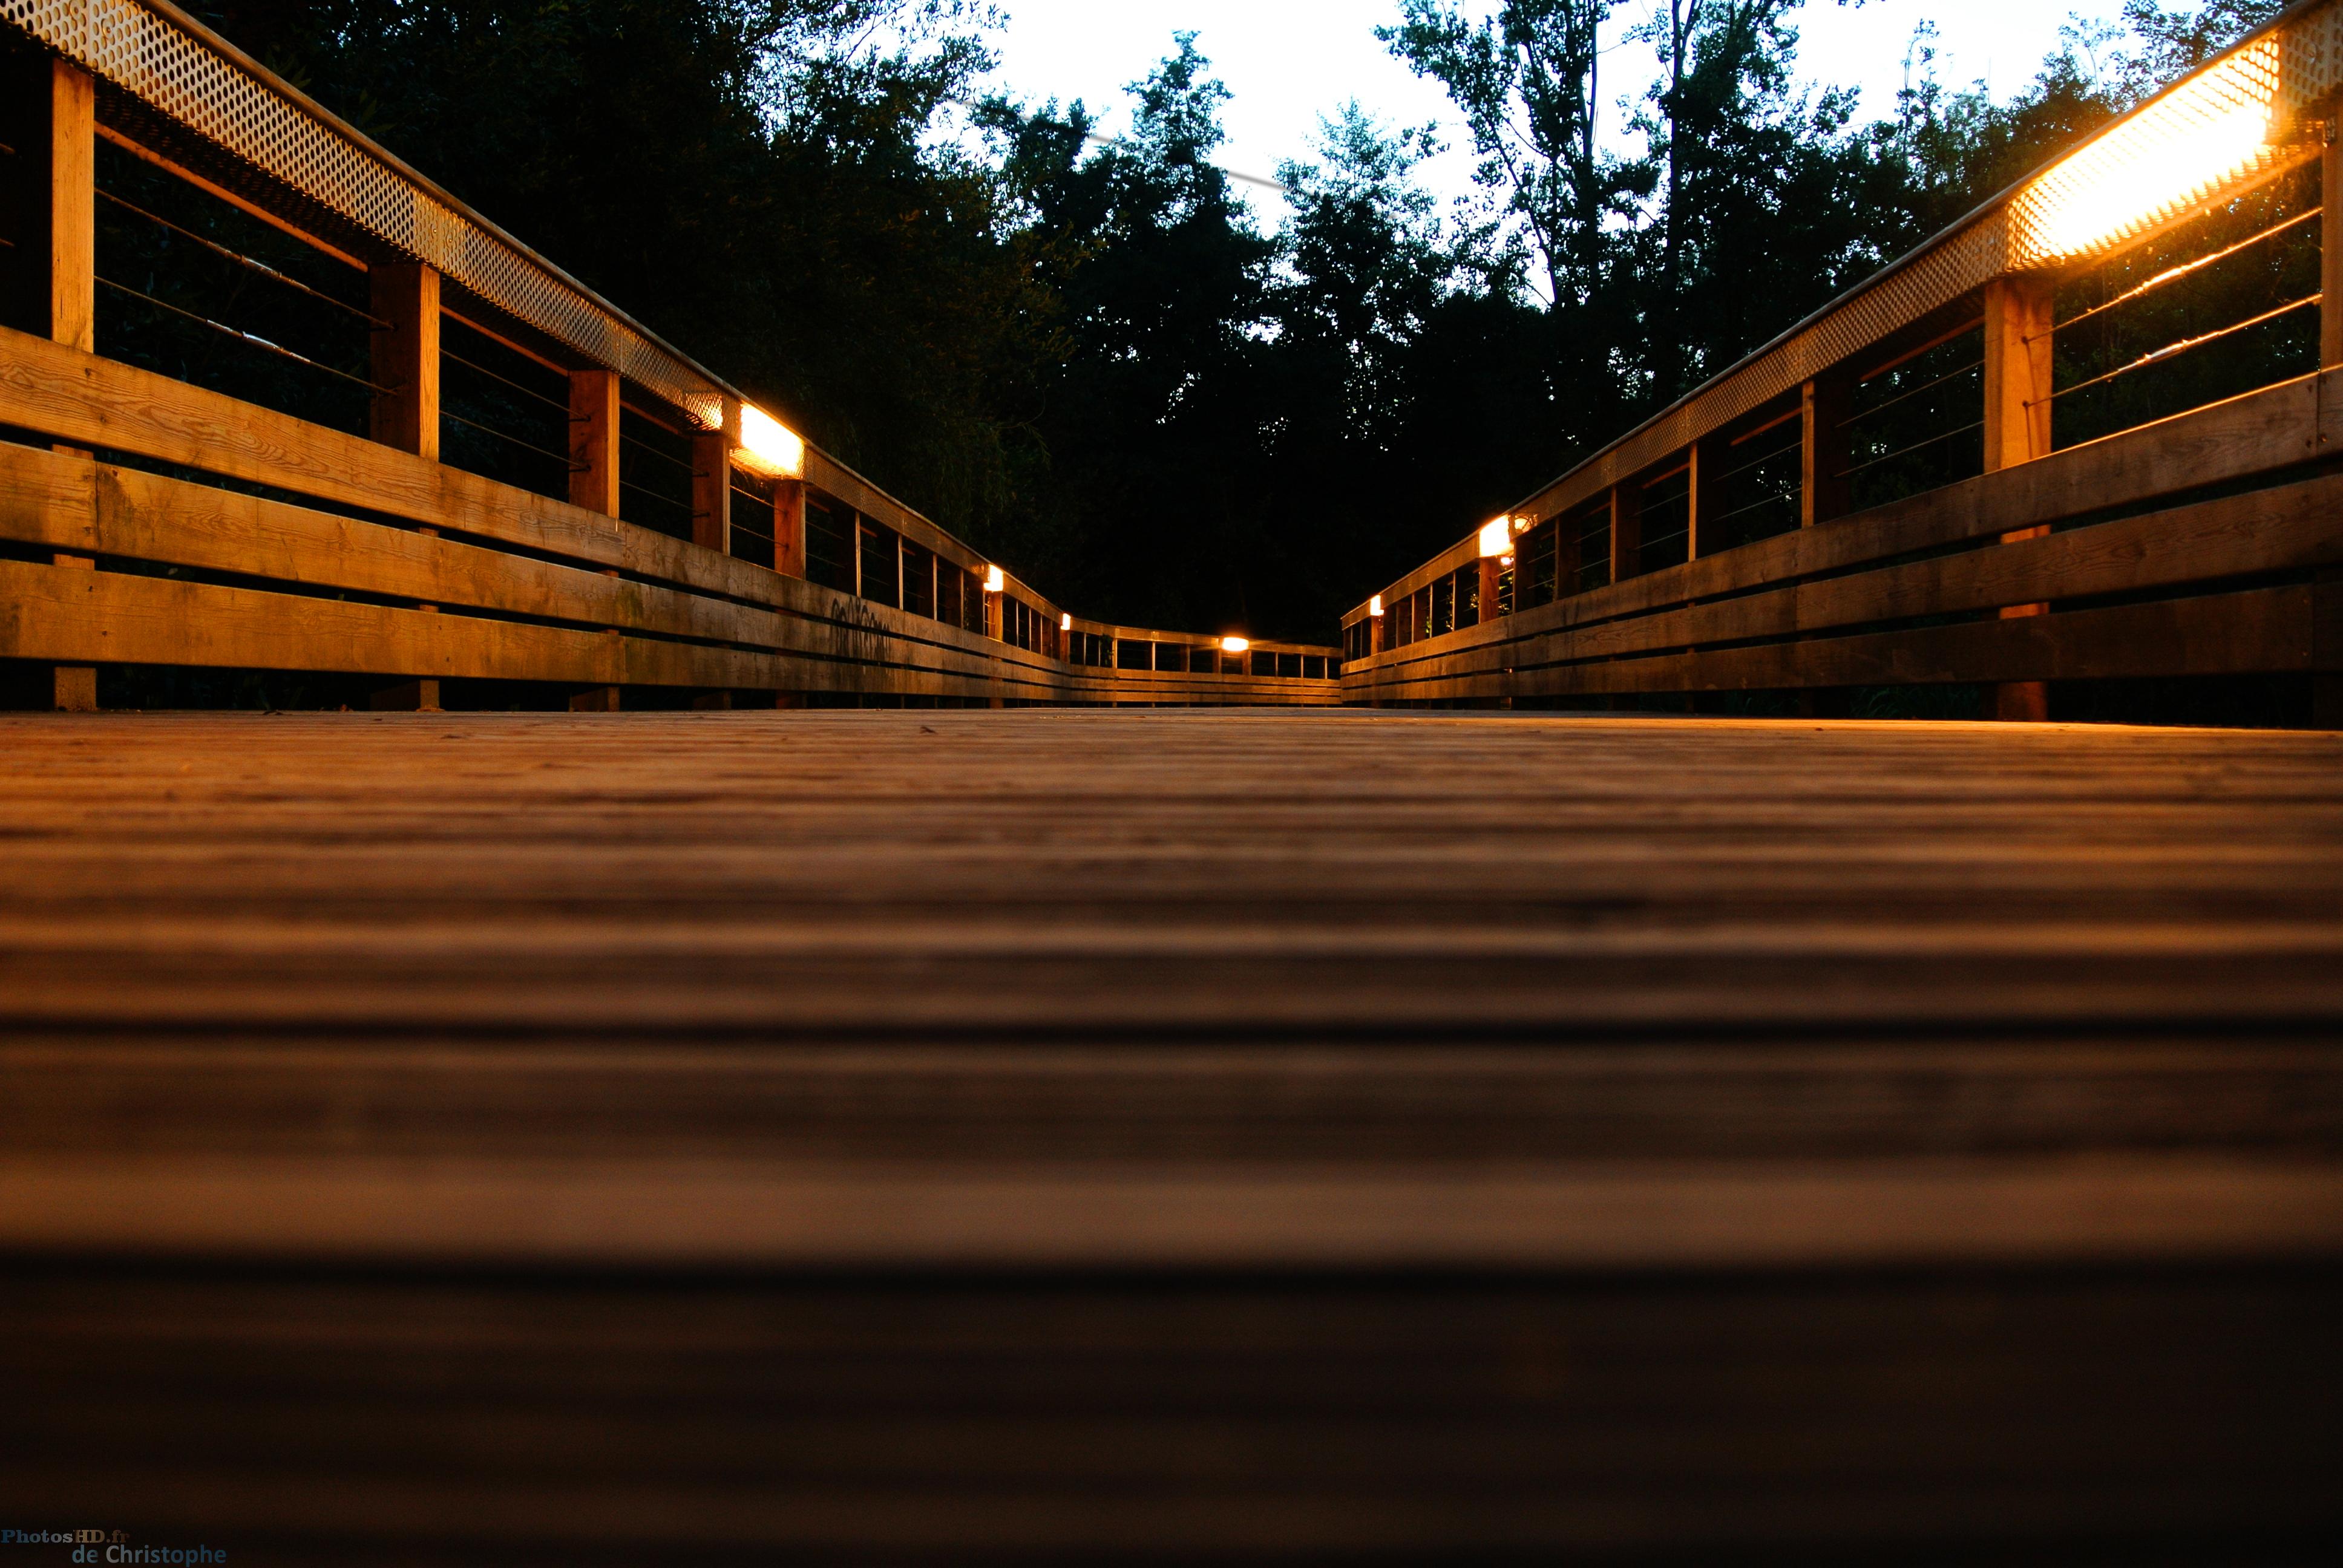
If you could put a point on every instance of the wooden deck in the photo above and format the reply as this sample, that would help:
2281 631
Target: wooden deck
1202 1134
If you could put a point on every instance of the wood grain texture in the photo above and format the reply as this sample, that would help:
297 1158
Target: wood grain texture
1057 1135
1067 1135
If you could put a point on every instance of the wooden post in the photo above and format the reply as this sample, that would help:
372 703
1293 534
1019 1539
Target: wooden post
789 528
1626 530
2018 383
406 295
73 207
1492 572
2330 253
593 440
2018 386
405 359
1702 495
2327 596
712 482
1823 460
414 697
67 296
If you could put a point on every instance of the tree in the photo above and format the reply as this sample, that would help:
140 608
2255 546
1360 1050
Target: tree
1527 81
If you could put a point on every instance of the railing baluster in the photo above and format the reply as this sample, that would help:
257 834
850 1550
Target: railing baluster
71 243
593 440
2020 383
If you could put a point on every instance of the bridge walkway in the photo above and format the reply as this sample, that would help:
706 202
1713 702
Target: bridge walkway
1091 1130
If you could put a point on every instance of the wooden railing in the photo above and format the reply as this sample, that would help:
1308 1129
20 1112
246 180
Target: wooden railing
2146 568
146 521
2060 556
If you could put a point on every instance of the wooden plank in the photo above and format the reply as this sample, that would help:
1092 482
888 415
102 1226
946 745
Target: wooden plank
1626 532
71 226
1823 405
2255 631
2330 256
593 440
405 357
2020 382
712 482
631 1214
789 528
2019 315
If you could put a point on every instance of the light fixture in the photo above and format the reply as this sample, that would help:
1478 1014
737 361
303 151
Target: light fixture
1065 623
993 581
1233 645
2183 149
1497 537
770 447
1375 605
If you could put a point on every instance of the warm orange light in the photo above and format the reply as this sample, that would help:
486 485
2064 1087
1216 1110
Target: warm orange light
768 445
993 579
2182 150
1375 605
1234 645
1497 537
1065 623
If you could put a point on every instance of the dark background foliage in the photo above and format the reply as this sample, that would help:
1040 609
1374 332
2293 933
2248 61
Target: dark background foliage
1095 361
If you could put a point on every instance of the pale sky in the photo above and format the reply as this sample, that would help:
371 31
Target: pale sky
1290 61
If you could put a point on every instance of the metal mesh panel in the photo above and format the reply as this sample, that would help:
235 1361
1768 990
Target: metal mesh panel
2310 66
179 76
2204 137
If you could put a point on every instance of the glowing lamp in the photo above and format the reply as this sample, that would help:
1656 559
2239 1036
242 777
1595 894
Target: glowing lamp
993 581
1375 605
1497 537
1234 645
2182 150
1065 623
768 445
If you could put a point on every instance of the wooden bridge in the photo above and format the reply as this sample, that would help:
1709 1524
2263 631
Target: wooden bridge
1313 1131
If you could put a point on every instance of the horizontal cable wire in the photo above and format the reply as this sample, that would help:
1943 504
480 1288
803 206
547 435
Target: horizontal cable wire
244 336
1757 506
642 446
1907 451
448 352
2174 274
1774 455
502 435
654 495
1901 397
243 260
2173 350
